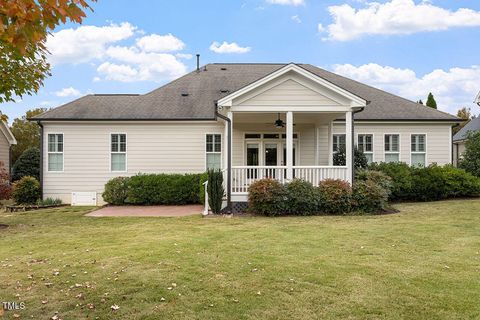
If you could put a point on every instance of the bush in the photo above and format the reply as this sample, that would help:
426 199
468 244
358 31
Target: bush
267 197
401 178
168 189
28 164
215 190
5 185
116 190
335 196
49 202
369 197
302 198
471 157
359 160
26 190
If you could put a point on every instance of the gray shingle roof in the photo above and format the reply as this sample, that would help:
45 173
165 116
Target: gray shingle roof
472 126
193 97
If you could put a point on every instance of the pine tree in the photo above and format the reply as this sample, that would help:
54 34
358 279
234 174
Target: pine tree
431 101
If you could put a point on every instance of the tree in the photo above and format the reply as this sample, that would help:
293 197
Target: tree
471 157
24 26
431 101
359 158
28 164
26 132
464 114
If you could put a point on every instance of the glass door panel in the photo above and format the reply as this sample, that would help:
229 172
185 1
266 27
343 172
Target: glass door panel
253 153
271 159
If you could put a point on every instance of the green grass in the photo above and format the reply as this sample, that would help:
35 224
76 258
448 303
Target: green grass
423 263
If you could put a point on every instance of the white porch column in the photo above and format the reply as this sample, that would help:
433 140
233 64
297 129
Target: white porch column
349 145
316 144
289 142
225 140
330 143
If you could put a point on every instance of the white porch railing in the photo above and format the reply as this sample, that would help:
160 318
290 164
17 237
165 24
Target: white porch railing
244 176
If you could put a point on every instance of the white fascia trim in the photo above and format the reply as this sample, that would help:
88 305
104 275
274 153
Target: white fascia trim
8 134
227 101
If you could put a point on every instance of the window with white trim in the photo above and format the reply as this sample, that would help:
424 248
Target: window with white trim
392 148
338 142
213 150
55 152
418 150
118 152
365 144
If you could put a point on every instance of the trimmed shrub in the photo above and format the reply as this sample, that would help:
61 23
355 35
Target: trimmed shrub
401 178
377 177
471 157
360 160
302 198
26 190
168 189
369 197
335 196
5 185
267 197
215 190
49 202
28 164
116 190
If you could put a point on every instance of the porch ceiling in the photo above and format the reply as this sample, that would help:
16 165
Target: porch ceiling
298 118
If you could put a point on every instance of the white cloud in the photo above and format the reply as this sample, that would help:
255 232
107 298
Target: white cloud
184 55
85 43
117 72
452 88
395 17
226 47
159 43
68 92
287 2
296 19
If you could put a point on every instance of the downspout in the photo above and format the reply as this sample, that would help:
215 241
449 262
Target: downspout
353 140
41 158
229 160
10 165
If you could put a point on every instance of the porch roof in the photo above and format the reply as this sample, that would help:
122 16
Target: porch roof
194 96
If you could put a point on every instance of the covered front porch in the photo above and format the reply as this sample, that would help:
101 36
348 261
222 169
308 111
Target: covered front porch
281 127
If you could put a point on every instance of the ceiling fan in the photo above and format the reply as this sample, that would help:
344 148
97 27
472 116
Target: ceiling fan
279 123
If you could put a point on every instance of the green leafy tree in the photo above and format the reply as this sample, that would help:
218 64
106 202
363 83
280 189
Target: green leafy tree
28 164
471 157
464 114
26 132
431 101
24 27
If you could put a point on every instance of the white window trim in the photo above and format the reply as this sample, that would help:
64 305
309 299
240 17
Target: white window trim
373 143
213 152
333 141
126 152
63 154
385 152
416 152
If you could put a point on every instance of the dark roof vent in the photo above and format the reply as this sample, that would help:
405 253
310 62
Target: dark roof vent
184 94
224 91
223 68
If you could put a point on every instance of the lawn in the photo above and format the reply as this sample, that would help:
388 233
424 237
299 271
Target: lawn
423 263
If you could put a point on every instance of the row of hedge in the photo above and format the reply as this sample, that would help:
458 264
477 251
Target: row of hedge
369 195
155 189
428 183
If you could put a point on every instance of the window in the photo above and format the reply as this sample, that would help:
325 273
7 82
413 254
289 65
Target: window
365 144
214 151
338 142
55 152
418 149
253 136
118 149
392 148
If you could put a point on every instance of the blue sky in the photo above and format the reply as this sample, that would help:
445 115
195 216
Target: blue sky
407 47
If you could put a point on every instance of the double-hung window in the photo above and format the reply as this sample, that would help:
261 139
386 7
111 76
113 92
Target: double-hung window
55 152
392 148
118 152
365 144
418 150
213 150
338 142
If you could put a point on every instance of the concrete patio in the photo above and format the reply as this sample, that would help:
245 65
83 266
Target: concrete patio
147 211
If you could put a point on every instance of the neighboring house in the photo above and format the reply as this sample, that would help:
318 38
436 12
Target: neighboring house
460 137
6 141
287 121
